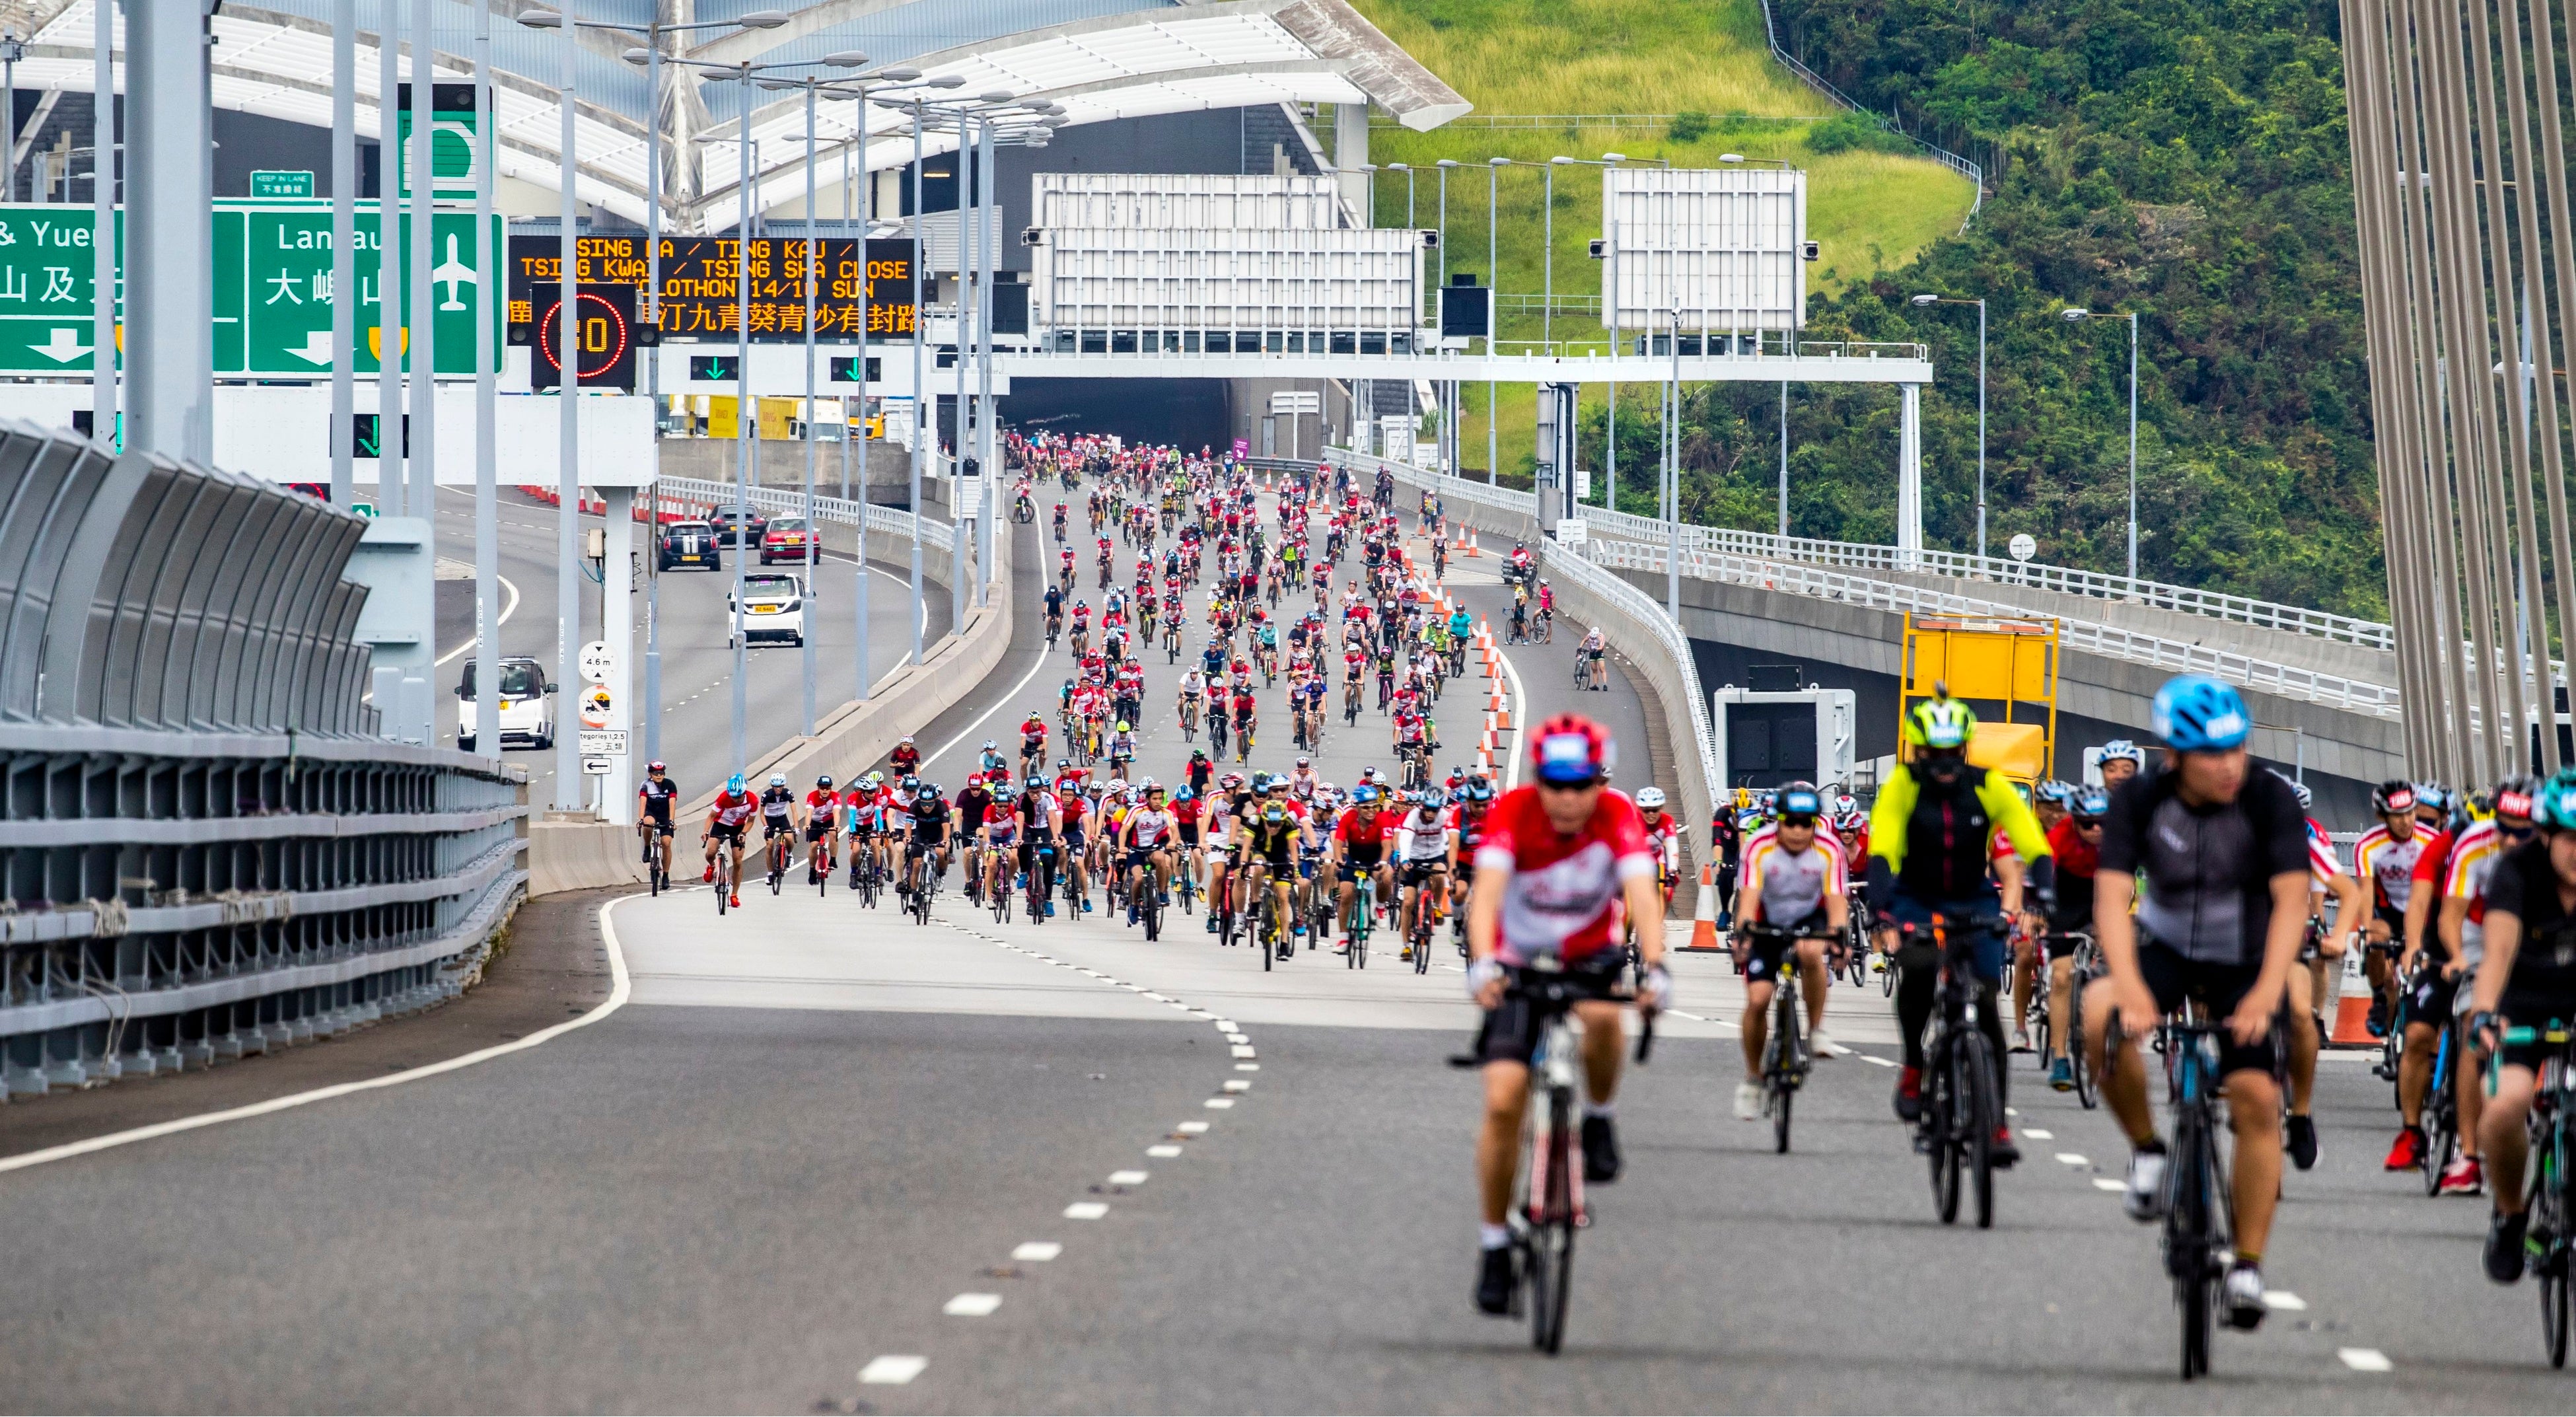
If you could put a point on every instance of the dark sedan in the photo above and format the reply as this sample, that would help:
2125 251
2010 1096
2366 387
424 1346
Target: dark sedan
690 544
739 525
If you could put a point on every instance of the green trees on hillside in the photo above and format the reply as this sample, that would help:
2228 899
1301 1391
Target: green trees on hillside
2184 158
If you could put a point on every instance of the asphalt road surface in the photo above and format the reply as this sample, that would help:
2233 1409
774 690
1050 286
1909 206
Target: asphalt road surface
813 1158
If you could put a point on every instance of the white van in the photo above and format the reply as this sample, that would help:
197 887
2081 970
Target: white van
527 706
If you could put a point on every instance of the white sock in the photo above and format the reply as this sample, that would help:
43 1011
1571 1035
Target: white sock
1599 1109
1494 1237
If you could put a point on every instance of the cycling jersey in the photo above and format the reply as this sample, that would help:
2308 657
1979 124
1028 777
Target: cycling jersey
1934 839
2388 864
2471 867
1563 895
777 806
2208 870
1034 813
1363 835
1146 827
1423 841
819 804
2542 986
658 796
731 810
1271 842
972 805
2076 864
2323 865
1790 885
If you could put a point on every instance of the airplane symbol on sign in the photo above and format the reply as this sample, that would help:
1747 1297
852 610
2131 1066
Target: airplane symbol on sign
453 273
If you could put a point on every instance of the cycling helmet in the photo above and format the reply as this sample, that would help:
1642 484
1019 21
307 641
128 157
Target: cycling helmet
778 779
1184 793
1571 750
2433 795
2297 788
927 793
1940 722
2514 797
1800 805
1650 798
2090 804
733 784
822 782
1480 789
990 746
1035 784
657 767
2556 808
2195 713
2054 791
1304 762
1364 795
907 738
910 783
2393 798
1123 727
1274 814
2124 749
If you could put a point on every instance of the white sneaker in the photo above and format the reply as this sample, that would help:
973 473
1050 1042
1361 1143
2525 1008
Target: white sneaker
2146 1196
1820 1044
1748 1102
2243 1295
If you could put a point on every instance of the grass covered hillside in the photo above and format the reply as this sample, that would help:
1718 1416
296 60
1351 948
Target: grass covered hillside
1651 79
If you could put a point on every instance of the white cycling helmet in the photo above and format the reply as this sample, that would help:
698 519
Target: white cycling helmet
1650 797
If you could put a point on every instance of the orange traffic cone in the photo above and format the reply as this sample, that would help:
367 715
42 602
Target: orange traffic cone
1704 919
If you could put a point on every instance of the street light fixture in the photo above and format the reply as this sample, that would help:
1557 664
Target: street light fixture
1925 301
2075 314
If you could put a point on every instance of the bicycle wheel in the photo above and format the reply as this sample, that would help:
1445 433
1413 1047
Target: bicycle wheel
724 883
1938 1106
1976 1088
2441 1135
2553 1316
1150 905
2079 1063
2187 1242
1262 933
1551 1241
1784 1060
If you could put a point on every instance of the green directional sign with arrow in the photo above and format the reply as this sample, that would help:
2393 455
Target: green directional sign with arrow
271 269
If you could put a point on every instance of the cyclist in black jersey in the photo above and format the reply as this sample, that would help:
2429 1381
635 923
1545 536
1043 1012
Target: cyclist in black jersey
656 801
1271 845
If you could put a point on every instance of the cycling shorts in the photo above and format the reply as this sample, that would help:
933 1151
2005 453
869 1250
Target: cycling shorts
722 831
1416 873
1510 1032
1352 868
661 825
1137 856
818 829
1188 833
2430 998
2533 1009
922 845
2219 988
1766 957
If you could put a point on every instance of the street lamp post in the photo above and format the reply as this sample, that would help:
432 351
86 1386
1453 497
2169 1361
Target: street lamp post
2074 314
1493 316
1449 403
1610 319
1979 302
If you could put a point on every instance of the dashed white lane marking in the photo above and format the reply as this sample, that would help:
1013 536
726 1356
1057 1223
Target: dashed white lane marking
1236 1085
1193 1128
1164 1151
2012 1111
2074 1158
1247 1067
1226 1024
1127 1178
1219 1103
971 1306
1037 1251
1241 1050
893 1368
2035 1134
1085 1210
1874 1058
2284 1299
2105 1183
2364 1360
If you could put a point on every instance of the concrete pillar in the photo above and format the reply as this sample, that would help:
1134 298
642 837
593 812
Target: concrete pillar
169 242
617 629
1909 477
1350 150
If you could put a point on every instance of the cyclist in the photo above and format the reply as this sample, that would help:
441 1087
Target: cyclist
2076 844
2313 984
1428 847
2224 854
2461 925
1796 880
1664 834
822 827
859 822
1358 847
2428 976
1269 849
1040 823
1562 860
1930 851
996 841
2384 861
932 821
2525 979
1597 665
1145 837
655 802
727 815
777 811
905 760
2120 760
974 804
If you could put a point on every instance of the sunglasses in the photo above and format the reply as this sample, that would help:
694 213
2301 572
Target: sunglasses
1587 783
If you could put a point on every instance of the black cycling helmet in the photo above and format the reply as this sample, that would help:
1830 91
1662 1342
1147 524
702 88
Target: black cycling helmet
2395 797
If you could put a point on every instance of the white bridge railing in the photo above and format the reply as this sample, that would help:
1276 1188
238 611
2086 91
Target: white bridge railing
779 499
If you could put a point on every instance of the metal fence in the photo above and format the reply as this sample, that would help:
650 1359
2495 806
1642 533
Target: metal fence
207 852
792 502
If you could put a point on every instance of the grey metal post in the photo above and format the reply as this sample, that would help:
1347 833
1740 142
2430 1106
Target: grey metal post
487 450
1547 265
813 528
1981 428
960 564
988 453
867 301
1493 324
746 422
391 491
103 399
1673 527
423 355
11 51
1784 464
2133 447
653 372
171 255
924 426
568 783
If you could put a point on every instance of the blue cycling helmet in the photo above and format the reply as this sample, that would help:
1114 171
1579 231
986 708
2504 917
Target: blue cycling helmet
2197 714
733 784
1802 804
2554 806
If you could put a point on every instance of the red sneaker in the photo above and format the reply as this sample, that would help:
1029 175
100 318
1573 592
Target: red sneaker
2463 1177
710 877
2408 1152
735 903
1909 1094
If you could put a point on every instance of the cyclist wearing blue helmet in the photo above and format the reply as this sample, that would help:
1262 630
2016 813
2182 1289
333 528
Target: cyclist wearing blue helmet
2526 980
726 817
2224 853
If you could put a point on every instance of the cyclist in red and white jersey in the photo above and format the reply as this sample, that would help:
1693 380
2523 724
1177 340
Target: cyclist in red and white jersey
727 816
1563 864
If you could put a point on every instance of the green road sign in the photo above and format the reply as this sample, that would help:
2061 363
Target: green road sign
451 139
270 185
271 271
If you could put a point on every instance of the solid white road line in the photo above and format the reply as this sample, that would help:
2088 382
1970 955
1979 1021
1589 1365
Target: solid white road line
508 608
2284 1299
893 1368
1520 726
616 1000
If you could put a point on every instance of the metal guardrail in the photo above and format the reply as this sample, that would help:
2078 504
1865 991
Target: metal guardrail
777 499
2086 636
1701 754
207 851
1974 172
2065 580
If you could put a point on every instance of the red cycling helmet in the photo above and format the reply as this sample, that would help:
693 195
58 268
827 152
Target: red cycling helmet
1570 750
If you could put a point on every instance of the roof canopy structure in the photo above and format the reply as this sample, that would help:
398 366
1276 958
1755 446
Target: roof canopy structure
1097 59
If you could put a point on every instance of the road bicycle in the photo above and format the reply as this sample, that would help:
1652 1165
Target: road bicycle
1960 1106
1784 1053
724 874
1148 899
999 891
1358 920
656 874
777 849
1548 1207
2546 1240
1856 946
818 865
1426 907
921 869
2200 1208
2441 1104
2083 967
1041 880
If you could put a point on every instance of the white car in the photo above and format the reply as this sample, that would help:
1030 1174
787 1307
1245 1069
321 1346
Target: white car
527 706
773 608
